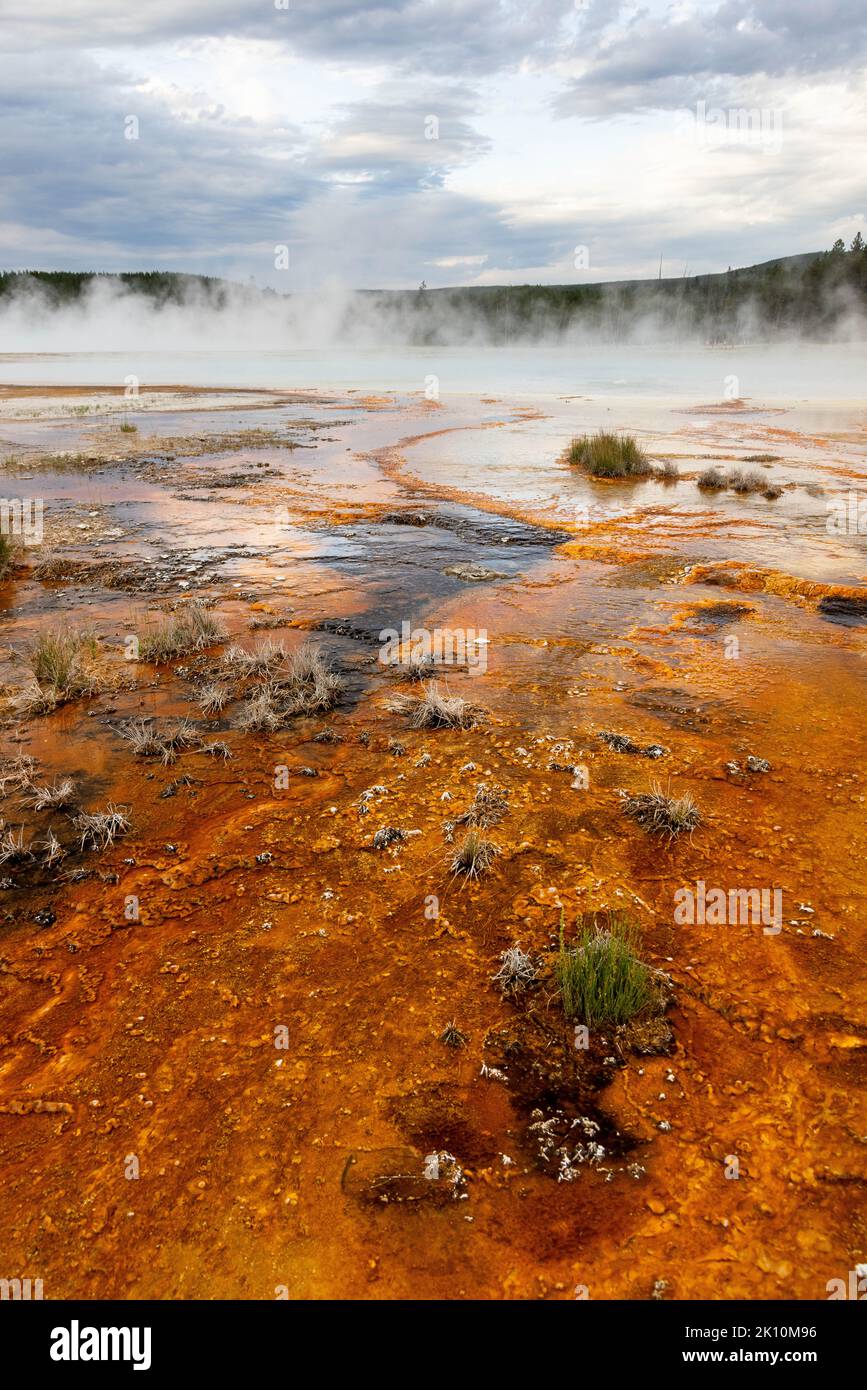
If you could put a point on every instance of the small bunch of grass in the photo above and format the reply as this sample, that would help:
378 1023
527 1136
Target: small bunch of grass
56 658
434 709
412 667
712 480
148 741
667 471
609 455
217 749
310 682
474 855
214 697
266 657
261 714
127 427
33 700
178 736
304 684
601 979
187 631
12 847
453 1036
662 814
17 772
99 829
62 669
144 738
517 973
488 806
746 480
52 796
50 850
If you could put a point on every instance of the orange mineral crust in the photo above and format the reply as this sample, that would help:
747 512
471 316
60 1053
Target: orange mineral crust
252 1046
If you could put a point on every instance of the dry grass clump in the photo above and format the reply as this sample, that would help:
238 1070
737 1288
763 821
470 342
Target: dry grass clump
177 737
488 806
50 849
99 829
12 847
712 480
661 814
63 668
261 714
415 667
144 738
33 700
52 796
741 480
601 979
303 684
746 480
310 675
148 741
214 697
474 855
17 772
453 1036
262 659
608 455
517 972
217 750
435 709
667 471
187 631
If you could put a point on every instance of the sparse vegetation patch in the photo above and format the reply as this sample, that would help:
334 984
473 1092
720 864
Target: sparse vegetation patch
436 709
608 455
193 628
474 855
601 979
661 814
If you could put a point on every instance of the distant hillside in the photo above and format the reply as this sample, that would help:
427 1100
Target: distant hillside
806 295
810 295
66 286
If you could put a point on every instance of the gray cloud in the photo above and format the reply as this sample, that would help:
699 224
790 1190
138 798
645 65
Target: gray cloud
361 195
448 37
663 62
362 201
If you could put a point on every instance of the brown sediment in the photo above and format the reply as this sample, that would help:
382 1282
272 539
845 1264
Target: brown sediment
262 1035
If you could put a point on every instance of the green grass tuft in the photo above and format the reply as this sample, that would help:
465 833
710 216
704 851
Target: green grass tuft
607 455
601 979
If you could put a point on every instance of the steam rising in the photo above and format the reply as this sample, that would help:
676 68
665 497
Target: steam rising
110 315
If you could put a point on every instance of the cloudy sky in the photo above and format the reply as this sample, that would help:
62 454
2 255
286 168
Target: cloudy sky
452 141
